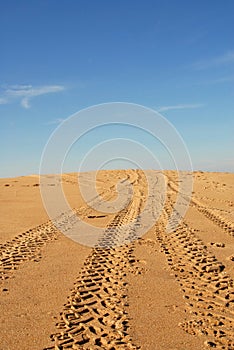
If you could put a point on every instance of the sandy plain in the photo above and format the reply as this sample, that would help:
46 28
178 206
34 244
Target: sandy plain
154 291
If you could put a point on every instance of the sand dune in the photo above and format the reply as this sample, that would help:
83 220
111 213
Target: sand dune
138 287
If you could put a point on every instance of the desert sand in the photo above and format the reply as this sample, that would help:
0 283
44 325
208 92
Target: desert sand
155 291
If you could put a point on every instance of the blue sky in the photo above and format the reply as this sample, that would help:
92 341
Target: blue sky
58 57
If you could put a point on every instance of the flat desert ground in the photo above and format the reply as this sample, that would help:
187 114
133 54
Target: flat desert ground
156 290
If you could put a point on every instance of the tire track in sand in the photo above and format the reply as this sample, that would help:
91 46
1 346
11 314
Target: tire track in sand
24 247
211 213
27 246
94 316
206 287
215 216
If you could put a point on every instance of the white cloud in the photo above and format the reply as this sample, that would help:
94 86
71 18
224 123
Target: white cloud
25 103
25 93
3 101
226 58
181 106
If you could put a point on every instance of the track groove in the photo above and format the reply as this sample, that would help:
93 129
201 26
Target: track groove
206 287
95 315
24 247
27 245
214 214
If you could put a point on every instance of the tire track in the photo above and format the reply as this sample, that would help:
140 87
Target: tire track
95 315
206 287
215 217
24 247
210 213
27 246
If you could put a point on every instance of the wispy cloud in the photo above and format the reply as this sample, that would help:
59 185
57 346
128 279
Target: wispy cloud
226 58
3 101
25 93
180 106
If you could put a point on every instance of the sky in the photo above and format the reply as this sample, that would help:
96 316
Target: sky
59 57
